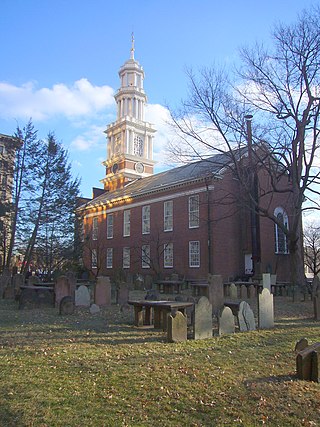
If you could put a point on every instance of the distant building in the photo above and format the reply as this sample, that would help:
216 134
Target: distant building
176 221
8 148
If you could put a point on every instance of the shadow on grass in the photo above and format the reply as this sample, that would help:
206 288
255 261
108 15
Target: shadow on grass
273 379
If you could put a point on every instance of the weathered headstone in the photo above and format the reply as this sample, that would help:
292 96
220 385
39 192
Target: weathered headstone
66 306
316 307
265 309
177 327
202 319
226 321
246 317
266 281
82 296
233 291
243 292
315 286
94 309
301 345
215 292
252 292
123 293
62 289
102 291
72 282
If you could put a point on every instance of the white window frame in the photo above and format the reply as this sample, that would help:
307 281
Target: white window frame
280 239
126 257
109 258
168 215
145 256
168 255
146 219
126 223
95 228
94 259
194 211
194 254
110 220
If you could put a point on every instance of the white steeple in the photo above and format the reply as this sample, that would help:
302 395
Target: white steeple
130 137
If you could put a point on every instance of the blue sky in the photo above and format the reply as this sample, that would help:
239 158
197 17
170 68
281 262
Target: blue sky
60 62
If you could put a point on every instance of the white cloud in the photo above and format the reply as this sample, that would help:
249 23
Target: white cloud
91 138
81 98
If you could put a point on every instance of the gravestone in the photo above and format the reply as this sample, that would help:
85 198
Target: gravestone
233 291
62 289
215 292
273 279
66 306
304 363
301 345
72 282
94 309
265 309
246 317
226 321
123 293
177 327
102 291
266 281
202 319
315 366
252 292
82 297
315 286
243 292
316 307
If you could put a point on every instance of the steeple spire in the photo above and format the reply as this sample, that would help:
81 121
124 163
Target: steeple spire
132 46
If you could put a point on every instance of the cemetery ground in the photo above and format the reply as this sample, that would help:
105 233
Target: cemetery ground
100 370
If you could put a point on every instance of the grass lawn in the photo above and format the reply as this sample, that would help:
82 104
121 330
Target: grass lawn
99 370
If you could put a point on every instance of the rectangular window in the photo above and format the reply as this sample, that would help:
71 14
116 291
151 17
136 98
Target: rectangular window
168 216
194 254
194 211
145 255
109 259
168 255
94 260
145 219
95 228
126 223
110 226
126 258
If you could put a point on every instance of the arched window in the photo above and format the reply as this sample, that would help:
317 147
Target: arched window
138 146
280 239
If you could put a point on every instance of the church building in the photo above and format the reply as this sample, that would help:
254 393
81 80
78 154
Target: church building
175 221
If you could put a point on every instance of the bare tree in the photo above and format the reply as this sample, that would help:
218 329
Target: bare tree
312 248
280 88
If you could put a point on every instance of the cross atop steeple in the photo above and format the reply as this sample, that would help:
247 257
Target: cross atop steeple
132 45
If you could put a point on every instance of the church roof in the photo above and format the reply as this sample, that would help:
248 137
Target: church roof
197 171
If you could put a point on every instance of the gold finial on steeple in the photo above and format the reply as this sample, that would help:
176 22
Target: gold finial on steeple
132 45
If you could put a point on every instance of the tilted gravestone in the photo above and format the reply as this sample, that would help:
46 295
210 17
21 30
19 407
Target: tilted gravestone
66 306
226 321
265 310
82 297
246 317
202 319
233 291
94 309
177 327
62 289
301 345
215 292
102 291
